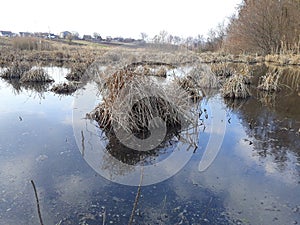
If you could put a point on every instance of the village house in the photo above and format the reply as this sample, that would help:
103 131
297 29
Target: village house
65 34
6 34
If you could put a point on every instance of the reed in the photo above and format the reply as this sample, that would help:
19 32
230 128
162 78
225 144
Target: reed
64 88
15 70
236 87
132 101
270 81
36 75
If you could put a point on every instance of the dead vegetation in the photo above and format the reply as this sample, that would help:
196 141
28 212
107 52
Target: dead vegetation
236 87
65 88
16 70
270 81
36 75
132 101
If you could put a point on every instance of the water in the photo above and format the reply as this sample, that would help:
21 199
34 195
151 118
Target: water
254 179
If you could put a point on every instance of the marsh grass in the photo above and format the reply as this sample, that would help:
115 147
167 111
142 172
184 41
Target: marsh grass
236 87
36 74
223 70
270 81
77 71
198 78
16 70
64 88
132 101
31 43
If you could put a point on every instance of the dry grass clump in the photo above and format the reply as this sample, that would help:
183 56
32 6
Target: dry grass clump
77 71
159 71
64 88
222 70
15 70
199 77
36 75
132 101
270 81
236 87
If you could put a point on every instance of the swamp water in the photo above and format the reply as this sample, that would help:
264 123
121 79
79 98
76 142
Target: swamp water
255 178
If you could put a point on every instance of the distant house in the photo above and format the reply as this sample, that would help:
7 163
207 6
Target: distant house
108 38
52 36
41 34
118 39
65 34
87 37
6 33
25 34
129 40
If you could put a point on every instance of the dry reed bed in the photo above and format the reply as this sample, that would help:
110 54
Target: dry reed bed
235 87
132 101
36 75
16 70
270 81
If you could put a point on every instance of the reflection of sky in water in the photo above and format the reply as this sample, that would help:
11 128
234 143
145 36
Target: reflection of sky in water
36 142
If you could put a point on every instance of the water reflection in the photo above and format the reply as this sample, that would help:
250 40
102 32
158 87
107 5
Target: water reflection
254 179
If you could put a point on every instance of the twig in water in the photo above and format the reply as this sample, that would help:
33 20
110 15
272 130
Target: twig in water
37 203
138 194
82 143
103 217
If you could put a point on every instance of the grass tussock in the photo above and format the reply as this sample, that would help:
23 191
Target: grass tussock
133 101
64 88
199 77
222 70
270 81
236 87
36 75
77 71
15 70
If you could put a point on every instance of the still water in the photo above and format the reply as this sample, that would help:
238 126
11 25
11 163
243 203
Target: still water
254 179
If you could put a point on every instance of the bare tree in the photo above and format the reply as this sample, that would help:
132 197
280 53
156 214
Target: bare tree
265 26
144 36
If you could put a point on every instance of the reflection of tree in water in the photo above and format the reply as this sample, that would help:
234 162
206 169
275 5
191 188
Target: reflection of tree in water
128 157
134 157
37 89
275 129
15 84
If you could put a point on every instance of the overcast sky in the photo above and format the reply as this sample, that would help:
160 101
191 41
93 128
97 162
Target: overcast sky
116 17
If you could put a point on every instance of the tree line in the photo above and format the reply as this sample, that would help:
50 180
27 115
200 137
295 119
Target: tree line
259 26
265 26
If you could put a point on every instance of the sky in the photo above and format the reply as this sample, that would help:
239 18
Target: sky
116 17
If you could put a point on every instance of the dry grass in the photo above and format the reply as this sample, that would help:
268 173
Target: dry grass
77 71
64 88
222 69
236 87
270 81
199 77
132 101
15 70
31 43
36 75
